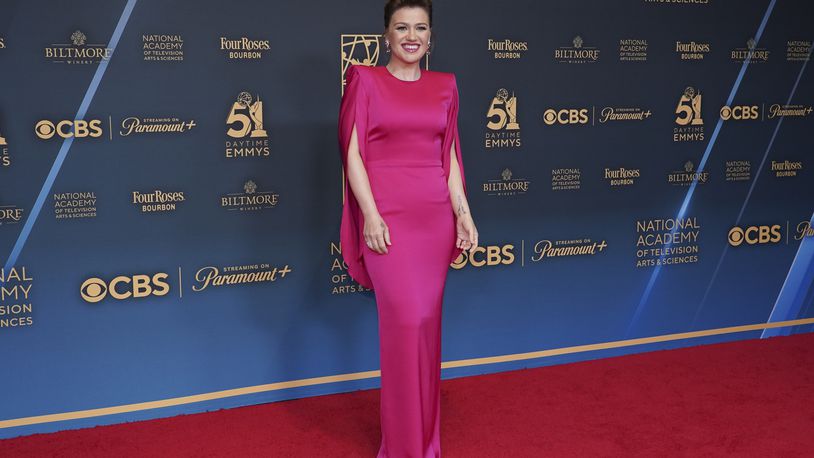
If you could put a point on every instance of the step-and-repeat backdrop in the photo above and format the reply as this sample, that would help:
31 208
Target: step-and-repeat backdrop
170 193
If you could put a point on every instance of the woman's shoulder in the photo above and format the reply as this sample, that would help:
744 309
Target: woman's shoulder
358 69
356 72
365 72
446 77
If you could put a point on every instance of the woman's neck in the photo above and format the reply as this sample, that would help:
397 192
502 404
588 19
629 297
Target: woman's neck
403 71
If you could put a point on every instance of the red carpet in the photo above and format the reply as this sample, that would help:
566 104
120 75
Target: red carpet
748 399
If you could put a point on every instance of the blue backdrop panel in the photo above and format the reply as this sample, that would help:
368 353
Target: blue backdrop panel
170 193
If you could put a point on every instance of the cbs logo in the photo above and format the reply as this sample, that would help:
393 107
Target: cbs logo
739 113
565 116
78 128
485 256
755 235
123 287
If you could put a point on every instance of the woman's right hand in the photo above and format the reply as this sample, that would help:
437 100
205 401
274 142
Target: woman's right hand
377 235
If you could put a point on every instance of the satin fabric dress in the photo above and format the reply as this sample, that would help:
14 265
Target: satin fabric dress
405 131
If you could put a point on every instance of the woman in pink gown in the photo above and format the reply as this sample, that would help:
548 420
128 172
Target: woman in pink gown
405 219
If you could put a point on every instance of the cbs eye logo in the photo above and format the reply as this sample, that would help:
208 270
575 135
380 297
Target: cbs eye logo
741 112
565 116
485 256
754 235
94 290
78 128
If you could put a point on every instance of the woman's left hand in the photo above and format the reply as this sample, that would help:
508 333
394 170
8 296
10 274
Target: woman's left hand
467 233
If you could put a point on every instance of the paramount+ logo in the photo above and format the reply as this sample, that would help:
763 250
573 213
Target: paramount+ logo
490 255
566 116
77 128
124 287
755 235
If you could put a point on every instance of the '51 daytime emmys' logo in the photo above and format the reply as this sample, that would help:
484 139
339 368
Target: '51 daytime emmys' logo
689 122
248 115
245 122
5 158
503 128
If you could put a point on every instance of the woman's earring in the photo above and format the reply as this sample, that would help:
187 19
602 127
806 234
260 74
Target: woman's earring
429 45
387 44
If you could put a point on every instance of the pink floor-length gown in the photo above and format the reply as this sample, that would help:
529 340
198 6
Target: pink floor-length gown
405 130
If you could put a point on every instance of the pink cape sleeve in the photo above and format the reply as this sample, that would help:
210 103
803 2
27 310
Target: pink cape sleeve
353 109
450 135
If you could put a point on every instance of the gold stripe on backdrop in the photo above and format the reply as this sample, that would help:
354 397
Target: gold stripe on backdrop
371 374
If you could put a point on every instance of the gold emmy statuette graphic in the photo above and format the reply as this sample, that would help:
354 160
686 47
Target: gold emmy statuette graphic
507 115
357 49
3 141
252 123
689 108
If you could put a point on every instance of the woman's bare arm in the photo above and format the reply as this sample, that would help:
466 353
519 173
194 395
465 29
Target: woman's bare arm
357 176
456 190
467 234
376 233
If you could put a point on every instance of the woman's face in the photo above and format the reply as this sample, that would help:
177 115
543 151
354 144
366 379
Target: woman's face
409 34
